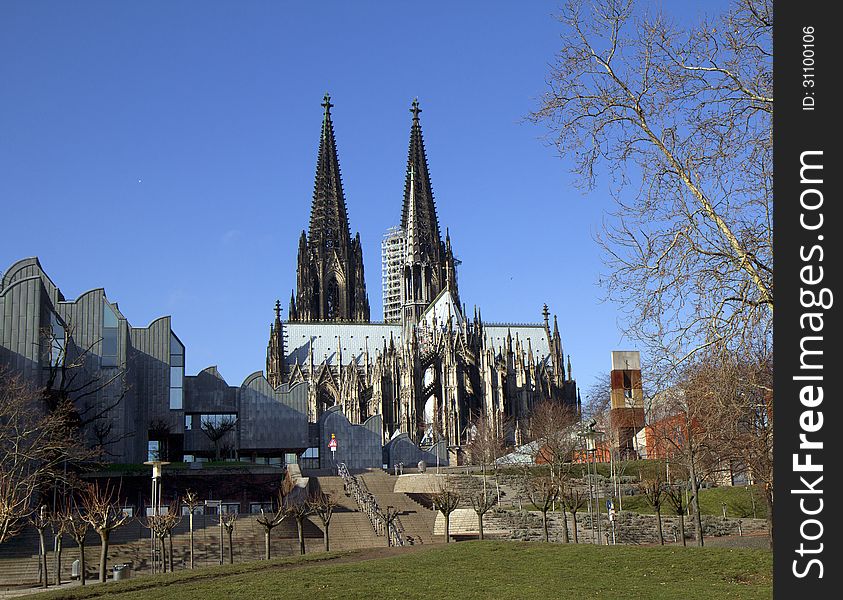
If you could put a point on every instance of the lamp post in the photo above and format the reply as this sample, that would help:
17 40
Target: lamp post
590 435
157 471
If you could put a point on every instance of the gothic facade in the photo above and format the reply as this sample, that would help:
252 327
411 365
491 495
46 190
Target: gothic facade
433 370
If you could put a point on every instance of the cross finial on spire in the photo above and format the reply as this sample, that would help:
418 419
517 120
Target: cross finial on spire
326 103
545 314
277 309
415 109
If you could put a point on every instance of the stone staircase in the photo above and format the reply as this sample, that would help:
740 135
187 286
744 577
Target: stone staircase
416 520
350 529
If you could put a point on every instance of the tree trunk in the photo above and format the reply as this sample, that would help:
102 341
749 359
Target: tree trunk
695 501
43 558
300 524
448 528
682 527
266 545
565 538
768 498
544 526
103 554
58 559
659 523
163 555
82 562
327 540
480 519
230 546
576 532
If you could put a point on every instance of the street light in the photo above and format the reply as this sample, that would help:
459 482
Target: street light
157 470
591 437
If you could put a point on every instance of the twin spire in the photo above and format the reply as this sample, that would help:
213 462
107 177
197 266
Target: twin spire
328 214
418 214
330 281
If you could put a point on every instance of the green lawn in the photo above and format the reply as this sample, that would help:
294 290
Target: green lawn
473 570
738 500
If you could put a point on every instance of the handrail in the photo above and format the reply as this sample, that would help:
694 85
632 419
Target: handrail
368 504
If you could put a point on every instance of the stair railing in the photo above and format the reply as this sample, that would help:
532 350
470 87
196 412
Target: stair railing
368 504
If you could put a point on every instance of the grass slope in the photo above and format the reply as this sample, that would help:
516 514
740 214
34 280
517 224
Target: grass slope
470 570
738 501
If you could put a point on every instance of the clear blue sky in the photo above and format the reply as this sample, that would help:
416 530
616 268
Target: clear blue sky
165 150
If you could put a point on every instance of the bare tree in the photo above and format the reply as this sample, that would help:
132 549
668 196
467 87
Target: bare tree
171 520
35 444
482 502
192 502
554 427
485 446
40 520
323 505
78 529
675 495
574 500
738 422
104 515
543 493
653 489
388 516
299 509
689 115
59 526
446 500
272 520
228 519
216 429
156 525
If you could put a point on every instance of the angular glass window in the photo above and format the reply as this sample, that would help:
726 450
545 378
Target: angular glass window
109 336
176 347
176 398
57 340
176 377
109 317
176 373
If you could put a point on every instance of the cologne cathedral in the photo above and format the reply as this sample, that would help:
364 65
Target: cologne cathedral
429 368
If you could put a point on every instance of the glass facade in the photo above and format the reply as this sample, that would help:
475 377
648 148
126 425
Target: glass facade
109 336
57 340
176 373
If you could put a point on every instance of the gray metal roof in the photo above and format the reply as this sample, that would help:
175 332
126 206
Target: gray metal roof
299 337
323 337
496 334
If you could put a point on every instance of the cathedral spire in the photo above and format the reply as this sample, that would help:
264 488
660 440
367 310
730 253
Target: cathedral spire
328 215
413 252
418 191
330 280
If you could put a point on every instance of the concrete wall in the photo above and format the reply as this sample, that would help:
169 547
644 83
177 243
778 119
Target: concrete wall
401 449
272 418
358 446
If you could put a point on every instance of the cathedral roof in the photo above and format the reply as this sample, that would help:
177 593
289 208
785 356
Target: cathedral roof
535 334
300 338
443 307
